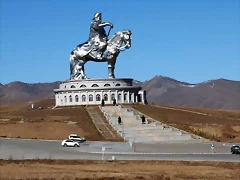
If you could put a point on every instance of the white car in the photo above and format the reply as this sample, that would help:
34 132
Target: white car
70 142
76 138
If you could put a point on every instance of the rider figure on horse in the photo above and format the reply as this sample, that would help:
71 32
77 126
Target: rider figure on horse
98 37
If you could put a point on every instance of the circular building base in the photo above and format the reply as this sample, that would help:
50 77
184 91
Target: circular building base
92 91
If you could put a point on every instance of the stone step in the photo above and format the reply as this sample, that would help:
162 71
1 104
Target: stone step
154 128
133 128
138 124
180 138
152 135
151 132
143 128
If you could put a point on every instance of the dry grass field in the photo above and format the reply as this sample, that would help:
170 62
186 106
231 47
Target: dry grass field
118 170
57 123
234 114
47 123
221 125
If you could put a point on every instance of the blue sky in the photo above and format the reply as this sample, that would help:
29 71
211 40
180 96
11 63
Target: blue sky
188 40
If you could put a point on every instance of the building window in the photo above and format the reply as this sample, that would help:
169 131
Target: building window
98 97
130 97
90 97
76 98
65 99
83 86
105 97
106 85
72 86
95 85
83 98
117 84
125 96
119 97
112 97
70 98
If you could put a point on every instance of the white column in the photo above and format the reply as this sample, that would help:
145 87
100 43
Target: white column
80 97
86 97
109 96
132 97
74 100
56 100
101 96
68 102
94 97
143 97
122 96
116 96
72 94
128 94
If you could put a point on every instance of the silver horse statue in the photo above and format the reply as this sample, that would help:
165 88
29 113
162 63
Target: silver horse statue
80 55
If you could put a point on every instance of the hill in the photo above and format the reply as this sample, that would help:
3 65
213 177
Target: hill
16 92
217 94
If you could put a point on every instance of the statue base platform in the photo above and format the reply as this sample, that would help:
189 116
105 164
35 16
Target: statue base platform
92 91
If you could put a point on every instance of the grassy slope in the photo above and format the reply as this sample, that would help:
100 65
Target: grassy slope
47 123
215 128
52 123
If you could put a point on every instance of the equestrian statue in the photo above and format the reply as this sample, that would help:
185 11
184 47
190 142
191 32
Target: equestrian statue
99 48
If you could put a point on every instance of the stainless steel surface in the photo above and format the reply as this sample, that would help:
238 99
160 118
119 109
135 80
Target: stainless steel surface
99 48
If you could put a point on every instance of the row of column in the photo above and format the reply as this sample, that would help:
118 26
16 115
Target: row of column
129 97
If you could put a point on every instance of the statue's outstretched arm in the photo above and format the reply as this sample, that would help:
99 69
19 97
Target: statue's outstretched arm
105 24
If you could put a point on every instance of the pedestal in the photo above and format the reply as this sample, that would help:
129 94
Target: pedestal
92 91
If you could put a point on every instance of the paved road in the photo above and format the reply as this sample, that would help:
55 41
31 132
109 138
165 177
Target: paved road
182 147
32 149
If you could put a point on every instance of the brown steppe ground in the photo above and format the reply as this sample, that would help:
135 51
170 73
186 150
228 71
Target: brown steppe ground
218 125
117 170
235 114
47 123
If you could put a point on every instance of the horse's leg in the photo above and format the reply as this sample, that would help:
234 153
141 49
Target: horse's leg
111 67
80 69
77 75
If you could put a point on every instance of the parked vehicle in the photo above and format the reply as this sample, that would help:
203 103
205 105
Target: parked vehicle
76 138
71 143
235 149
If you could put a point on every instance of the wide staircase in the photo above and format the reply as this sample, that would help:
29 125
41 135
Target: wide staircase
132 129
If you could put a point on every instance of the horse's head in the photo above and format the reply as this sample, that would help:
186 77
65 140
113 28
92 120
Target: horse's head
126 36
119 38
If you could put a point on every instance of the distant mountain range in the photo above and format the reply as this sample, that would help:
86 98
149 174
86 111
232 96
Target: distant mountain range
217 94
